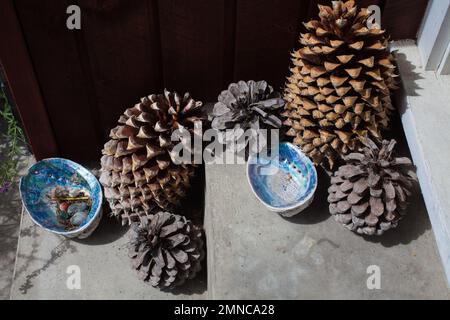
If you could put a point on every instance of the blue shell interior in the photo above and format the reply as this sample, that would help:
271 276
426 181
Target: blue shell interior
283 180
48 174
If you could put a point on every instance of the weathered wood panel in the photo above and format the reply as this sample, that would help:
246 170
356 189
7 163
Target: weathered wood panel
121 50
21 78
54 54
193 45
402 18
127 49
266 32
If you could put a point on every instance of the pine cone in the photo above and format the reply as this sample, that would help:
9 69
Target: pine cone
139 171
247 105
338 92
165 249
369 195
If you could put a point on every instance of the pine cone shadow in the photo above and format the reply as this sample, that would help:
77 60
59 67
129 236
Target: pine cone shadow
318 210
108 231
193 207
409 76
412 227
198 285
416 221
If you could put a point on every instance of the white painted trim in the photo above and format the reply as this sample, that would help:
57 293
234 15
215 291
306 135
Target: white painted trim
444 68
434 35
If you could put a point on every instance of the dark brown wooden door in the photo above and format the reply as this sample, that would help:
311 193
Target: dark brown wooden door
127 49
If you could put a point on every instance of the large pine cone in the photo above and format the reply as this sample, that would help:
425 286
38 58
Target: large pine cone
369 195
139 171
247 105
165 249
338 92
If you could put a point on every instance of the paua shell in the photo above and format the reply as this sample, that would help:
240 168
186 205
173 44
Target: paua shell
284 182
47 174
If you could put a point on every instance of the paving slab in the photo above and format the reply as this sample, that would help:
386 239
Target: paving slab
256 254
43 260
10 208
10 213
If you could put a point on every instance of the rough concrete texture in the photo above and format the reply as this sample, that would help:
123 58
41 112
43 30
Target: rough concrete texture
425 114
256 254
10 212
106 273
10 207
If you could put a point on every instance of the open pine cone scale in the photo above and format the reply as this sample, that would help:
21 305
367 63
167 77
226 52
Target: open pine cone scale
139 171
165 249
369 195
338 92
246 104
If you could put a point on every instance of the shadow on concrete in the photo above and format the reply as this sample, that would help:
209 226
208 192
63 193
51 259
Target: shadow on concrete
30 231
108 231
408 69
318 210
198 285
193 207
64 246
413 225
416 220
10 215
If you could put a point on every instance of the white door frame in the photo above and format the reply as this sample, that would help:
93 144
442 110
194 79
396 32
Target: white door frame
434 37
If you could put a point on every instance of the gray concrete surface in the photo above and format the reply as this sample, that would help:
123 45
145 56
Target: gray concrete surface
256 254
425 114
10 208
10 212
43 260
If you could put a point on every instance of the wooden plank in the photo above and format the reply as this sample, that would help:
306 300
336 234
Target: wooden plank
55 57
23 84
266 32
229 43
123 54
402 18
193 46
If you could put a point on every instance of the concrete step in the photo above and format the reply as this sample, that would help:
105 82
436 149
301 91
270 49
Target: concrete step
43 260
425 115
256 254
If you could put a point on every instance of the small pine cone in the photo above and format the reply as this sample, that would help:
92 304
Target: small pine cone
139 170
338 92
369 194
166 249
247 105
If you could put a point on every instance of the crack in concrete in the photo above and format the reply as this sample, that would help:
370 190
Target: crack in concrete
55 254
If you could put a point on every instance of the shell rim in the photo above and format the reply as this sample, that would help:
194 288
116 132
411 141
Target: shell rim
294 206
64 233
